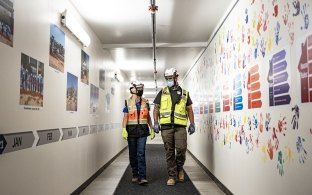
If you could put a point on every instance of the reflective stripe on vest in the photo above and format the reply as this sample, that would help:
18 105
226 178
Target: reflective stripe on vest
133 112
180 114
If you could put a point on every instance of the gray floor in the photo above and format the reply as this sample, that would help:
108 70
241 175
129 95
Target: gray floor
109 179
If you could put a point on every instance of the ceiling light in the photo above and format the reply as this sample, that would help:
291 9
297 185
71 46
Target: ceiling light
68 20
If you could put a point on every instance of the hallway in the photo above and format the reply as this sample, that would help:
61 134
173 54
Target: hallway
237 74
107 182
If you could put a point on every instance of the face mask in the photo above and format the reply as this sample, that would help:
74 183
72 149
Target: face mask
140 93
170 83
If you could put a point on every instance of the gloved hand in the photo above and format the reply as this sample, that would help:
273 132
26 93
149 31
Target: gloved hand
191 129
124 133
156 127
152 134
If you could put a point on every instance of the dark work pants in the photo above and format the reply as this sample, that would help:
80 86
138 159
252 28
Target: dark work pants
137 156
175 143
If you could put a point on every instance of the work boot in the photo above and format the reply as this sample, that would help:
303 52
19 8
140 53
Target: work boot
181 175
170 182
135 180
143 182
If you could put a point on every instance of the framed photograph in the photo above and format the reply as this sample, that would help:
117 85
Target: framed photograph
57 48
94 99
6 22
31 81
72 92
84 67
102 79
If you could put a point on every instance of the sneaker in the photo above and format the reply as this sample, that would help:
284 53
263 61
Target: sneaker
143 182
181 175
170 182
135 180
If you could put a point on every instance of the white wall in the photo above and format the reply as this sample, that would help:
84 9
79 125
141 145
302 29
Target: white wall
273 160
62 166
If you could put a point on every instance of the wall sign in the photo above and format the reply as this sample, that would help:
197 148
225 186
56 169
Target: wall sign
277 78
16 141
69 133
83 130
93 129
253 86
48 136
101 128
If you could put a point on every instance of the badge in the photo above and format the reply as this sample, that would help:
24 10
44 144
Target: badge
179 92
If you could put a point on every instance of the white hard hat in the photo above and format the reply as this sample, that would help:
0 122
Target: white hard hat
136 84
171 72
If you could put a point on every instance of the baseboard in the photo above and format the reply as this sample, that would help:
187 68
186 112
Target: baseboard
219 184
96 174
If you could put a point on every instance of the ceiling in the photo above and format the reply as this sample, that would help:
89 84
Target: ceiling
183 28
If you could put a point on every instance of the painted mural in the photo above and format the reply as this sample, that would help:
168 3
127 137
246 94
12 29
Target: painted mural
255 79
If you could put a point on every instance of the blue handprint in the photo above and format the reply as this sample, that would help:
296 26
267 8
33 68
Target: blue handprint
267 121
296 5
295 119
255 122
246 15
277 33
305 17
301 151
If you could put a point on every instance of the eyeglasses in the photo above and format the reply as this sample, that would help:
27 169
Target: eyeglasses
169 78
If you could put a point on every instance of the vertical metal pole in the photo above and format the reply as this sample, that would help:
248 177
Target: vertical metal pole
153 14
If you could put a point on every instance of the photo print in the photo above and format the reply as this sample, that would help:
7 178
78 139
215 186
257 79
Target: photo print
57 48
31 81
84 67
72 92
6 22
102 79
112 86
94 99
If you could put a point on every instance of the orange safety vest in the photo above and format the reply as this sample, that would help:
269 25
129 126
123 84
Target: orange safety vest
133 118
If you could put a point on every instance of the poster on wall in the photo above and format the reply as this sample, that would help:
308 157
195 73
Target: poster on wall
84 67
72 92
305 69
107 102
31 81
57 48
238 92
6 22
217 99
102 79
253 86
210 104
112 86
226 97
278 79
94 99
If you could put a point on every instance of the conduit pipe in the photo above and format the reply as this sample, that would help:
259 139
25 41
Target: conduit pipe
153 8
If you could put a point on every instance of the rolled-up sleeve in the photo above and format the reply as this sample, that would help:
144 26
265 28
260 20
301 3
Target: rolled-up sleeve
125 109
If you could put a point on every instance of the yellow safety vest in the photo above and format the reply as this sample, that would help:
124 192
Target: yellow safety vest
180 114
133 112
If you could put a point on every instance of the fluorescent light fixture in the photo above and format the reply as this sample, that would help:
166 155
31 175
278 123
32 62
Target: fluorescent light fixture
68 20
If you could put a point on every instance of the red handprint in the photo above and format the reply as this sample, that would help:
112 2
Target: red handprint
270 149
261 123
282 125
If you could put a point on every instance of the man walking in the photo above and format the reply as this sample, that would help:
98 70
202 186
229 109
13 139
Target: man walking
172 109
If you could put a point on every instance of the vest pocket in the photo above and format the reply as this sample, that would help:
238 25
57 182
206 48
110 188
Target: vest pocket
181 107
132 114
164 104
143 114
